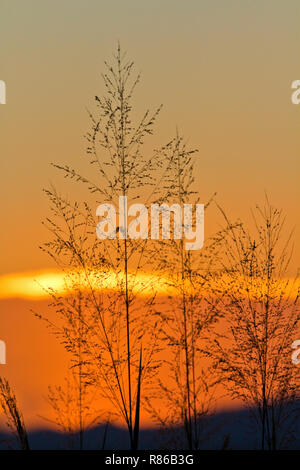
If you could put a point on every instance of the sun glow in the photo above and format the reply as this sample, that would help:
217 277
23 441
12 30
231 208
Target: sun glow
38 285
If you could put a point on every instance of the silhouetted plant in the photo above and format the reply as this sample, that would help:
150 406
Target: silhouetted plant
73 408
261 307
187 316
15 421
118 301
72 326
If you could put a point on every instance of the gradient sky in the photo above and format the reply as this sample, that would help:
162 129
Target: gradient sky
223 71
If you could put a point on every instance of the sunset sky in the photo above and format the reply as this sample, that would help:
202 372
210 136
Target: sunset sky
222 70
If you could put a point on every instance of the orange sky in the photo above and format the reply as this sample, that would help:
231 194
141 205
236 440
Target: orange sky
35 359
223 71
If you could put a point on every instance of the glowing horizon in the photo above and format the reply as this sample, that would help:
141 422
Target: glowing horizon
35 285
